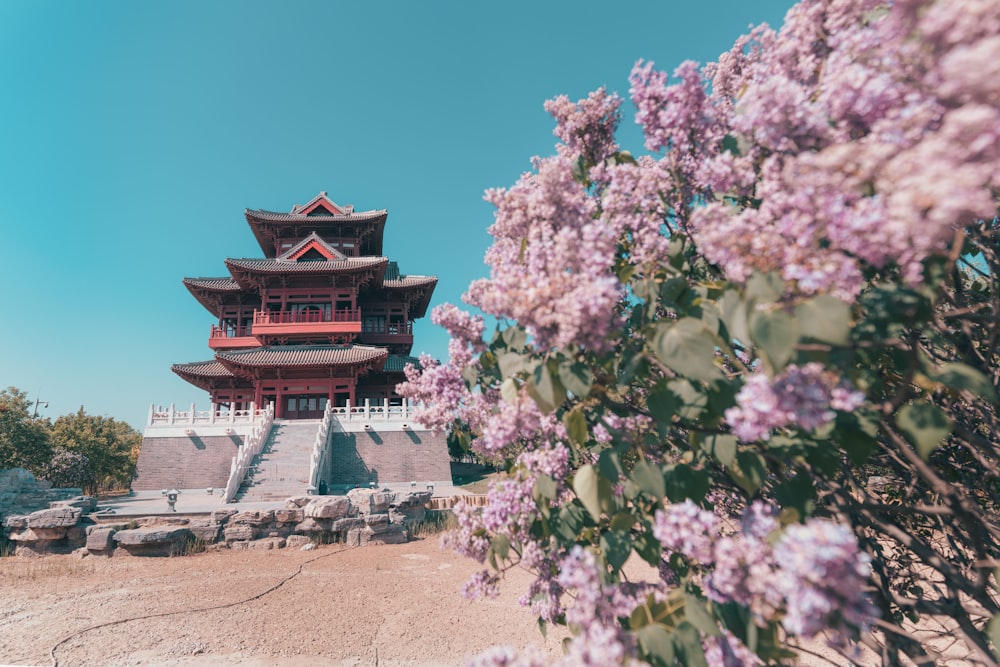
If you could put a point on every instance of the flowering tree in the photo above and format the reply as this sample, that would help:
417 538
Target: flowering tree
763 358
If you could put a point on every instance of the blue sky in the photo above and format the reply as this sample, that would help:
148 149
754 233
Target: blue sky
134 134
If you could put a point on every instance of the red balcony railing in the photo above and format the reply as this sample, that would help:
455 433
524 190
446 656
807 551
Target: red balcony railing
304 316
300 322
222 338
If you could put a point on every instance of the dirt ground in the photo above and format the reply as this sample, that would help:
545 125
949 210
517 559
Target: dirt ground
393 605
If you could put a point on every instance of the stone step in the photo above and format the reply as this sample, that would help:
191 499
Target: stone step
282 468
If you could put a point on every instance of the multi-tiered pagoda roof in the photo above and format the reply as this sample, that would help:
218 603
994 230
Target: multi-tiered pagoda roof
322 317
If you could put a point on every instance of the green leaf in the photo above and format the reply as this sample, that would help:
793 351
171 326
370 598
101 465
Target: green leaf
509 391
687 347
748 471
697 614
962 377
993 632
587 486
622 522
546 390
926 426
692 401
648 548
687 646
471 375
797 493
501 546
825 319
765 287
514 337
609 465
545 487
683 481
776 333
649 478
721 446
663 404
857 434
657 644
734 316
731 144
510 364
576 377
576 426
569 522
616 547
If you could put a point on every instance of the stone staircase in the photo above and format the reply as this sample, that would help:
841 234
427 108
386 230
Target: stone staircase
282 468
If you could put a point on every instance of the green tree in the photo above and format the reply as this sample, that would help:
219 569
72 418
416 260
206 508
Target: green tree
24 440
110 446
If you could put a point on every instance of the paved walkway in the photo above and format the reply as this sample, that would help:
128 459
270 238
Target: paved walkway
198 501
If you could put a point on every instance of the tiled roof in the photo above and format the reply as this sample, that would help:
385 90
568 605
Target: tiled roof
205 369
409 281
395 363
271 216
280 266
303 355
312 238
213 284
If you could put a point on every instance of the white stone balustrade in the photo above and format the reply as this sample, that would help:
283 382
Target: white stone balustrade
160 416
321 449
252 446
379 416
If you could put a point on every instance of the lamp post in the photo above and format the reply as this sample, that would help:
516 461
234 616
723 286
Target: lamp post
38 401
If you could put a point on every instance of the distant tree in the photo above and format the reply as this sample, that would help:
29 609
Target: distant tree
110 446
24 440
69 470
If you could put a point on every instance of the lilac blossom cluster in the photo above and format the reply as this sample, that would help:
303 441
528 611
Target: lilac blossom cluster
807 396
586 128
811 578
551 258
552 255
860 139
465 330
726 650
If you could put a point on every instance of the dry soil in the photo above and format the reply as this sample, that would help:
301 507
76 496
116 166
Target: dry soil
390 605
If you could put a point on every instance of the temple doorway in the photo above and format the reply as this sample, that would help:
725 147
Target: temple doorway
305 406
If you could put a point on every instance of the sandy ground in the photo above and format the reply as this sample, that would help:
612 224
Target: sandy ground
393 605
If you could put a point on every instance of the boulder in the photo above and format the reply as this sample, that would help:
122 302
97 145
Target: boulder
253 517
205 530
221 515
57 517
101 540
268 543
289 515
297 541
350 523
158 540
101 526
313 526
370 501
240 532
328 507
390 534
87 504
409 515
298 501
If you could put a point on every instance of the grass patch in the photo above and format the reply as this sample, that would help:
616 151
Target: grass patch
434 523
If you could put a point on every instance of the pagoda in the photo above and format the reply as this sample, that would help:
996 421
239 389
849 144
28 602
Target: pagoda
324 317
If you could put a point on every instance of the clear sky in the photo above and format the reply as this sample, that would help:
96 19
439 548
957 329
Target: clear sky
134 134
